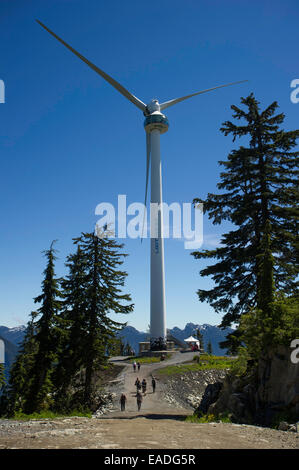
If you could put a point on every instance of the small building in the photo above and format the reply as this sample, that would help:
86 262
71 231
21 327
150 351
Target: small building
193 343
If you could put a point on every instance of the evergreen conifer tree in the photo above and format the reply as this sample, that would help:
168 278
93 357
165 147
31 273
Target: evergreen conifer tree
2 376
102 288
20 371
2 358
261 193
72 322
40 386
199 336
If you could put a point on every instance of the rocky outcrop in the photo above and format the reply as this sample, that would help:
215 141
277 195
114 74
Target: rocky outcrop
210 396
264 393
278 380
105 403
188 390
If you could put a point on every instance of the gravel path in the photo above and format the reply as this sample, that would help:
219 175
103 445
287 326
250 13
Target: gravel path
140 433
153 403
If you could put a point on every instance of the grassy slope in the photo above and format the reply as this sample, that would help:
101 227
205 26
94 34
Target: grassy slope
204 362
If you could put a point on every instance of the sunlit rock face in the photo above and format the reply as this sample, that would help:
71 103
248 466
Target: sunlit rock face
264 393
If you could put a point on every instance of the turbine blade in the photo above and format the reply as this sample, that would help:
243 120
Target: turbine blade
109 79
148 157
166 104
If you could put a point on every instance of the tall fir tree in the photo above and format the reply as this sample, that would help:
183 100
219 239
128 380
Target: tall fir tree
2 358
72 323
40 386
102 288
2 376
116 347
199 336
209 347
261 186
20 372
3 391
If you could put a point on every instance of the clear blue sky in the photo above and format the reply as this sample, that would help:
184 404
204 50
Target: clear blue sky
69 141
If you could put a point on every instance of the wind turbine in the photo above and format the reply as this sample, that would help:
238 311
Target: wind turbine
155 124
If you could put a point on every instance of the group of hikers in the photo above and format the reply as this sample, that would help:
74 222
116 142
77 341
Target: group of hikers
139 386
136 364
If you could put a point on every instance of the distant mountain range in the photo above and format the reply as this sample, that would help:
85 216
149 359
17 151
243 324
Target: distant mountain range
13 337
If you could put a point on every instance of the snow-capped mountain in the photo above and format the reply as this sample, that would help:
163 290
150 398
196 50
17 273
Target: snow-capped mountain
14 335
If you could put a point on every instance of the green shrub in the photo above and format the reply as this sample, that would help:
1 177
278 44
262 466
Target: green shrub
203 365
209 418
239 365
50 415
203 419
225 417
260 332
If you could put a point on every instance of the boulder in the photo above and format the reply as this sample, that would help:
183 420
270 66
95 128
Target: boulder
292 428
283 426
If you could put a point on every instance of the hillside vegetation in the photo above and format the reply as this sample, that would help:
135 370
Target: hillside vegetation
203 362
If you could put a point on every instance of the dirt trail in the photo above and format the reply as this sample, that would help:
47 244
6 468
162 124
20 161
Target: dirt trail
153 403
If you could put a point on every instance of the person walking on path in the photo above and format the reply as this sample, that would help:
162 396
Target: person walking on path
123 400
139 400
138 384
138 366
144 386
134 366
154 384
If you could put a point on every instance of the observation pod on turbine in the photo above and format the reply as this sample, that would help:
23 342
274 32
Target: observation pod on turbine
156 121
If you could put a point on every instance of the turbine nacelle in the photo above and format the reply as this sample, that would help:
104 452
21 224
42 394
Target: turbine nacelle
153 106
154 119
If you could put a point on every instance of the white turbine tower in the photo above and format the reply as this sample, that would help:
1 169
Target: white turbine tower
155 124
